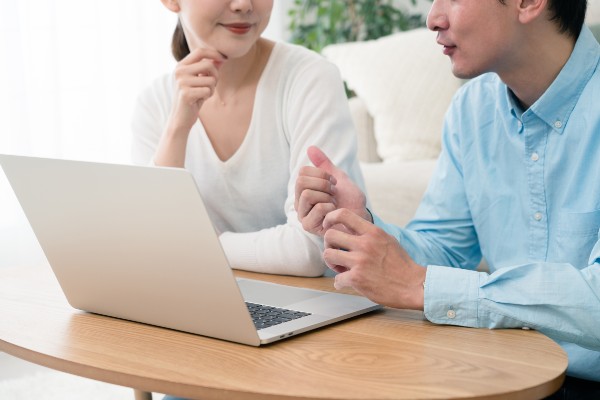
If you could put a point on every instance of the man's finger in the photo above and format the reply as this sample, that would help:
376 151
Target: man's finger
320 160
338 268
313 222
338 260
341 280
309 199
308 184
349 219
337 239
309 170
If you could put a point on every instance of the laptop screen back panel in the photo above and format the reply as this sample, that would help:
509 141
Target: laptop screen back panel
133 243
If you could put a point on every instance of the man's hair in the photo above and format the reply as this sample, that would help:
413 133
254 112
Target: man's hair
568 14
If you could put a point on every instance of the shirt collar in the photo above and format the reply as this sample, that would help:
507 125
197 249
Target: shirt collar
556 104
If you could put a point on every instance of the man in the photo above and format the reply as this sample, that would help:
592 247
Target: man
517 181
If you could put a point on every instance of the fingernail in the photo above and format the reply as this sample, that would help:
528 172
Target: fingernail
336 284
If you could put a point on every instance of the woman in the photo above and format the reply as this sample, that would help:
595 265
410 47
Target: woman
239 112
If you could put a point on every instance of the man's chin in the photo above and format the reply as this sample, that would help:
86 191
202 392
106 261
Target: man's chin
465 73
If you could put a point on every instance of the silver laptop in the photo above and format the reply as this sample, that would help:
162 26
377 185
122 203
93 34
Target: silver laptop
137 243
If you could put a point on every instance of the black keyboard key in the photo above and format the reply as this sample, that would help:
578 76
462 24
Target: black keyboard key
266 316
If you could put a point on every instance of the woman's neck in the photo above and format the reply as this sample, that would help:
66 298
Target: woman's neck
237 73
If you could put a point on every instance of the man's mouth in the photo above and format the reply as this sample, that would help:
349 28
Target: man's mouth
448 49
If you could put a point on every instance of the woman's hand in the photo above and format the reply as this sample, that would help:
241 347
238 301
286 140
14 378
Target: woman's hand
196 77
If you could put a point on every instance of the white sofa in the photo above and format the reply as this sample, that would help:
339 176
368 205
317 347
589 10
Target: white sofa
403 85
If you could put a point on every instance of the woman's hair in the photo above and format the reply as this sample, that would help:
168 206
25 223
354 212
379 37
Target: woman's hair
179 45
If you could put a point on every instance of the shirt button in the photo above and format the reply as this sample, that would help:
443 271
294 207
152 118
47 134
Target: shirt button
537 216
535 157
451 314
558 124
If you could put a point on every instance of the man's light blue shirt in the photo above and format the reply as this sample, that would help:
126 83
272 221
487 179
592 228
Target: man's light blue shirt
522 189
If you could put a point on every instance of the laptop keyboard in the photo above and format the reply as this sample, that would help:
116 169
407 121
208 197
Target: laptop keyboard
266 316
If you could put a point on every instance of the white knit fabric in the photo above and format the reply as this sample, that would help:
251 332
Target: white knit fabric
406 84
300 101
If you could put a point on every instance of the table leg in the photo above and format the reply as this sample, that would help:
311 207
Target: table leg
141 395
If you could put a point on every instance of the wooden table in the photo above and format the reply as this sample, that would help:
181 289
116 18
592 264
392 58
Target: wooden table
389 354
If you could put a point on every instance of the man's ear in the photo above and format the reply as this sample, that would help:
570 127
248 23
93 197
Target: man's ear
530 10
172 5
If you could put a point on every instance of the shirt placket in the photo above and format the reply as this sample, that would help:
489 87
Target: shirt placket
535 133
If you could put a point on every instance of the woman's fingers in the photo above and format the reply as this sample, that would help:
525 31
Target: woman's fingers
204 67
202 53
195 88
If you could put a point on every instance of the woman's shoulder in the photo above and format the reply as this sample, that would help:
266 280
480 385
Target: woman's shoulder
297 52
160 89
295 58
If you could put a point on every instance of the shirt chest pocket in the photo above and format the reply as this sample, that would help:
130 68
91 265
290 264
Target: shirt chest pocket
576 237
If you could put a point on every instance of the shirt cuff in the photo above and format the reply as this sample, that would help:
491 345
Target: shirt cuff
451 296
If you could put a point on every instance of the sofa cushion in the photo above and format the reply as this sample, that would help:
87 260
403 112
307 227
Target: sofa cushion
406 84
395 189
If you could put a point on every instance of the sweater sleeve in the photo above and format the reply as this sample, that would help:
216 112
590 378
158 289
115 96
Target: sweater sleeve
314 111
148 120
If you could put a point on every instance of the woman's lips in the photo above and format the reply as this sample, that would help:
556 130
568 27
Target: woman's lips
238 29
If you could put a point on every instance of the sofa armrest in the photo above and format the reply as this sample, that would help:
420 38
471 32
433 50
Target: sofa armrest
363 122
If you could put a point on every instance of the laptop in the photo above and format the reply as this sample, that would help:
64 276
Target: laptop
137 243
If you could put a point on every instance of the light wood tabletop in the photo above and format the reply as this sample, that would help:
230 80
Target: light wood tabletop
388 354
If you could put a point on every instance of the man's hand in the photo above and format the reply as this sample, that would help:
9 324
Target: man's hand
324 188
372 262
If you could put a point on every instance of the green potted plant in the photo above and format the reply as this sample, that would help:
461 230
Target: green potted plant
318 23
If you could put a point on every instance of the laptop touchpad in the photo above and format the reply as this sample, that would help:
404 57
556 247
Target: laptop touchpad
274 295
